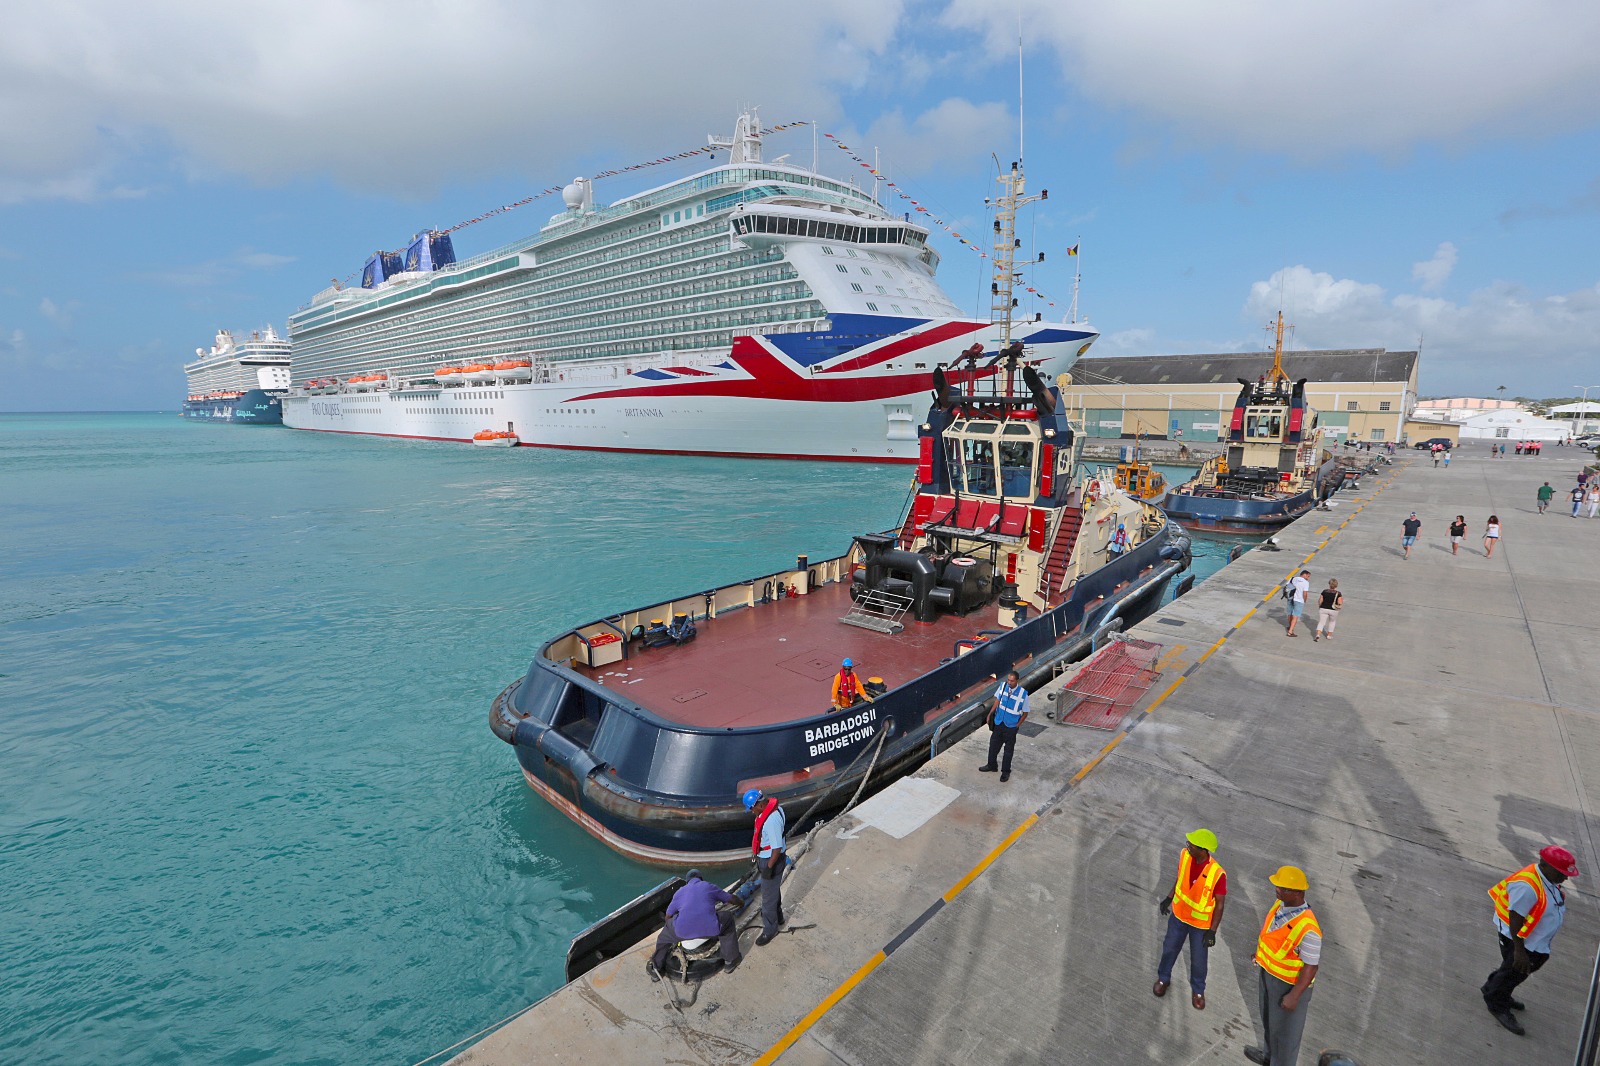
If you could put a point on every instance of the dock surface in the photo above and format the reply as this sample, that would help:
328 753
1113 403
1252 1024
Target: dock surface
1450 730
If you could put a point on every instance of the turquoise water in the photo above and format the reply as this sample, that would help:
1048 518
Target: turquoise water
252 811
252 808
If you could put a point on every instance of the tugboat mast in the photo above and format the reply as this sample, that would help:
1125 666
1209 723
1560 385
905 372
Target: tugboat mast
1277 373
1003 302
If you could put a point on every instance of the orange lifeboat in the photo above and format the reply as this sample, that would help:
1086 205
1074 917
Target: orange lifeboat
514 369
489 438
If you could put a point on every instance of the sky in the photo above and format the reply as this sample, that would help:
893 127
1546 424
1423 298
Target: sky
1388 174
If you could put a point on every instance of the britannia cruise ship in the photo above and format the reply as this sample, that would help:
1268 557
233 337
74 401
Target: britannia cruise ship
752 309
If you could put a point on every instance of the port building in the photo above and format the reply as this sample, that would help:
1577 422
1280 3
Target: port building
1361 393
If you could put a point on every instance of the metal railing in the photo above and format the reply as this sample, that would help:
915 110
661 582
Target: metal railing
1589 1035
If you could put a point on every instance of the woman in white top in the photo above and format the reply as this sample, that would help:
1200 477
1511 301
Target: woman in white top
1491 536
1593 497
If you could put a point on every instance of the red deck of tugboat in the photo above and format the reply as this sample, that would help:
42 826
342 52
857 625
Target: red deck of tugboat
775 662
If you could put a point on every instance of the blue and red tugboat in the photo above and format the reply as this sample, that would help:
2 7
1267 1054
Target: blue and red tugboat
646 727
1274 467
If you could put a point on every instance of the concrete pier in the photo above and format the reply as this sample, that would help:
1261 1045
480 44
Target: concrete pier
1450 730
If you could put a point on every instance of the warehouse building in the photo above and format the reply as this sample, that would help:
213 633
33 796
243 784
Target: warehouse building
1361 393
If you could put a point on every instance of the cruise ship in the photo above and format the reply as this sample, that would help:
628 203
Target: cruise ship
751 309
242 383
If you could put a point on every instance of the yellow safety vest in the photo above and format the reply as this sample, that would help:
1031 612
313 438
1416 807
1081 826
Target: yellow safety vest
1501 895
1278 950
1197 908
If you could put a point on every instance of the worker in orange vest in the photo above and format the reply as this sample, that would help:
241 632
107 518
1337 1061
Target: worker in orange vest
1288 952
1529 907
847 687
1194 910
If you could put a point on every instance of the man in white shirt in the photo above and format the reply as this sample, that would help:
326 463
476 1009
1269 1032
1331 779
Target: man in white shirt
1299 588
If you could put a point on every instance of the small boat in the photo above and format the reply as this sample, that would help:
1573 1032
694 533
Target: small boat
489 438
1275 469
1139 479
514 370
446 374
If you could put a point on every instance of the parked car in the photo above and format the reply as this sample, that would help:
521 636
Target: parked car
1424 445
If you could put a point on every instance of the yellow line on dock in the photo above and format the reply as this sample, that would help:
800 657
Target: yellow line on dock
880 957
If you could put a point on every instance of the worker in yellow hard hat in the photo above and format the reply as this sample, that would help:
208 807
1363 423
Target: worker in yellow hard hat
1194 910
1288 951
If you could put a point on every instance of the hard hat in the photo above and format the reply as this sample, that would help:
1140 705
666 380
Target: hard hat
1204 838
1561 859
848 662
1290 877
751 798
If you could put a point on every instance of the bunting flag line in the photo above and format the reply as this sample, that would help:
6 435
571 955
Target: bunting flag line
923 210
614 171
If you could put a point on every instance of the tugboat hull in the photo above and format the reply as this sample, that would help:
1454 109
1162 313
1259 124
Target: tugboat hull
1200 511
667 792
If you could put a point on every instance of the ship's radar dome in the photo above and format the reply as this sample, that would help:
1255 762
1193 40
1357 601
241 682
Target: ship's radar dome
573 194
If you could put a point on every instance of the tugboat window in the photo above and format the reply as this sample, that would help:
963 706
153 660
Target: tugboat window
973 461
1016 468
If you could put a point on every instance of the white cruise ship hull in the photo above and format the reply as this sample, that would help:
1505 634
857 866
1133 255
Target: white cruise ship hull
757 402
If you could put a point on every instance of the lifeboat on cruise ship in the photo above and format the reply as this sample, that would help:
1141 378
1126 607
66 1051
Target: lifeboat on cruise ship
447 374
479 372
361 382
514 370
490 438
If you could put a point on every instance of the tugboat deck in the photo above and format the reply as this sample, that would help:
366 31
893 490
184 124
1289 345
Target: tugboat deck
775 662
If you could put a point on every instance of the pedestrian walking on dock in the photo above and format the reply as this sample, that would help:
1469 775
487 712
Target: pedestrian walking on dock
1288 953
1408 535
693 915
1577 500
768 847
1592 494
1458 533
1436 456
1194 910
1328 610
1447 458
1010 710
1529 907
1491 536
1299 589
1546 494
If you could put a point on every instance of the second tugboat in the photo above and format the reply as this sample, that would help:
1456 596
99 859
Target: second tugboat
1274 466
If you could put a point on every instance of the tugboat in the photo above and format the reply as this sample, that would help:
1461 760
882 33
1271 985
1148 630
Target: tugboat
1274 464
646 727
1138 478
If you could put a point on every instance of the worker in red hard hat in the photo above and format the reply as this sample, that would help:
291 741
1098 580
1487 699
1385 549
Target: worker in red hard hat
1529 907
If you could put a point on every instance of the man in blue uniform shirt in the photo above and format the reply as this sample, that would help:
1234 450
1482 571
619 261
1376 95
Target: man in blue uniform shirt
693 915
1010 711
767 846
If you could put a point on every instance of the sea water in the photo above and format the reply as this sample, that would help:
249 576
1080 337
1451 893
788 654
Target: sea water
250 806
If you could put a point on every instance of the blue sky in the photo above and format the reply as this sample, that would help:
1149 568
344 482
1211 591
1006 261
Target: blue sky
1383 171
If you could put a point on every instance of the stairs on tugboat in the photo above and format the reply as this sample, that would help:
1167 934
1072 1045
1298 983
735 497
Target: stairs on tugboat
1059 552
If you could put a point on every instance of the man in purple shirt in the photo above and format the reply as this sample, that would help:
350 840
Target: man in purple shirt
693 915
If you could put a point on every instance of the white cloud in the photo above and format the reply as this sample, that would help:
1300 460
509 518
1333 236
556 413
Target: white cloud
213 271
1318 80
399 95
59 315
1433 273
1501 331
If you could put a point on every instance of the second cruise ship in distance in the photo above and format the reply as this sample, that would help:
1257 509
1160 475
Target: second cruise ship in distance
752 309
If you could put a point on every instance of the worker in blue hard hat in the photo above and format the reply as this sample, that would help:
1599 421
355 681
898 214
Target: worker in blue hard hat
847 687
767 846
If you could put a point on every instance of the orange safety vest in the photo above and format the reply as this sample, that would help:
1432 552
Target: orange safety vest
1501 894
846 686
1197 908
1278 950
